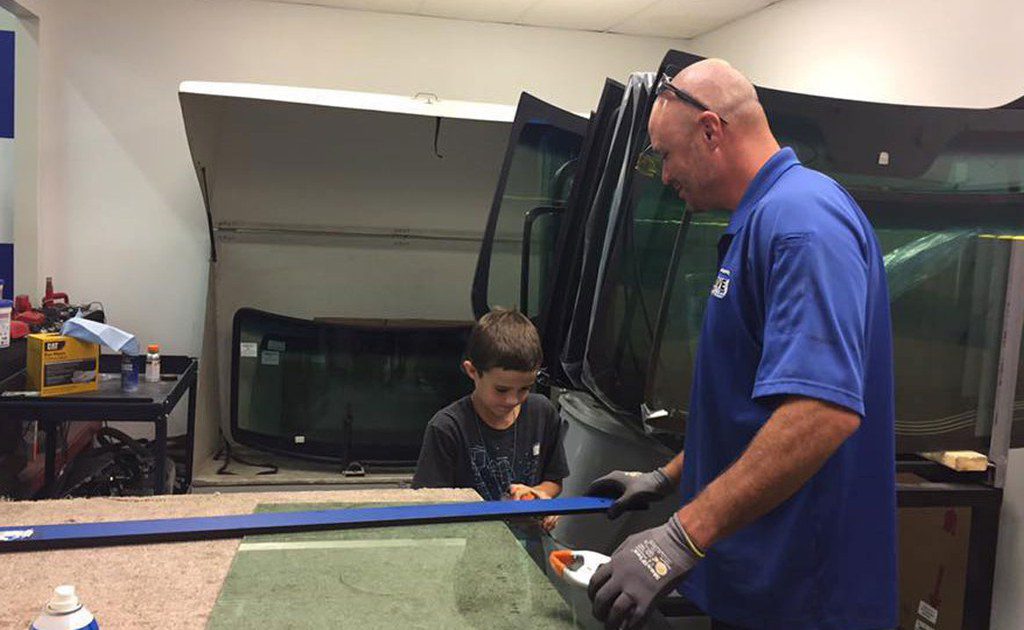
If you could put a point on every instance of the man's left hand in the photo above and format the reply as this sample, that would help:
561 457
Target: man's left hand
644 568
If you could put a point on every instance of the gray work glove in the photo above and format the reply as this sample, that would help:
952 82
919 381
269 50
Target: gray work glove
644 568
634 490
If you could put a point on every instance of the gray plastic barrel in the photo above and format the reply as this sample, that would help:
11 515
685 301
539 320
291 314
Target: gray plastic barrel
598 442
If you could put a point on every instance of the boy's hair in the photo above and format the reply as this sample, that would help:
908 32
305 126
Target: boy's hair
505 339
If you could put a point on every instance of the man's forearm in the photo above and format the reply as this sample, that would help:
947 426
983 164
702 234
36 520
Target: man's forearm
788 450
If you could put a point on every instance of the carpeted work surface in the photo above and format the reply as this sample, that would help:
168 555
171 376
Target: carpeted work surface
149 586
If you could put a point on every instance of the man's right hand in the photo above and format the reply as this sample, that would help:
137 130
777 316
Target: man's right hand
633 490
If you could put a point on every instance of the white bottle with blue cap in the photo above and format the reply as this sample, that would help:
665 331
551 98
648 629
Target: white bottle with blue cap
65 612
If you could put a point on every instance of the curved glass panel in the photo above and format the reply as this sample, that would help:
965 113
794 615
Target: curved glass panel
942 189
616 203
622 334
532 189
353 391
693 273
557 306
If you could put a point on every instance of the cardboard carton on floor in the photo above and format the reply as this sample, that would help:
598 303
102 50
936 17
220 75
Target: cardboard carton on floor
933 549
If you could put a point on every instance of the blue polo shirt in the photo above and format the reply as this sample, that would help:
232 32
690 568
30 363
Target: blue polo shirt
800 307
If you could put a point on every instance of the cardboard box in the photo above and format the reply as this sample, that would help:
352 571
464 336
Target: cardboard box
61 365
933 549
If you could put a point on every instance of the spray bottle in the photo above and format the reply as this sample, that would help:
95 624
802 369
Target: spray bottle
64 612
153 363
129 373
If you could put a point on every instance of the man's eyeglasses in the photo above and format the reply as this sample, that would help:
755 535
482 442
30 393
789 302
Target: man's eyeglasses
649 162
665 85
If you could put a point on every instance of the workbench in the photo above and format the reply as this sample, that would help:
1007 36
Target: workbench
151 403
460 575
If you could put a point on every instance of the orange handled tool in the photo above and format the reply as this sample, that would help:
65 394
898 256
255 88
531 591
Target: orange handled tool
576 567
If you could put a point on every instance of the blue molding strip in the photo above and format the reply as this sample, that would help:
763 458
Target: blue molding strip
6 84
40 537
7 269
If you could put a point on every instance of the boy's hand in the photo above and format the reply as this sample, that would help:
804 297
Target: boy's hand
548 523
519 492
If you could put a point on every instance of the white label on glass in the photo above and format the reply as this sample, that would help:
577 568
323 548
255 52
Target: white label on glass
270 358
248 350
9 535
273 344
929 612
300 439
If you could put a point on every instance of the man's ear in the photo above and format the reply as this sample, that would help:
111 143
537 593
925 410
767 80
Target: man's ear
707 127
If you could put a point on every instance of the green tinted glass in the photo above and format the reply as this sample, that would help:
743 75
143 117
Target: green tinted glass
946 268
538 183
361 391
622 335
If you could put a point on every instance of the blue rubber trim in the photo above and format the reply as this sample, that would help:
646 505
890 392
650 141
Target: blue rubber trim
38 537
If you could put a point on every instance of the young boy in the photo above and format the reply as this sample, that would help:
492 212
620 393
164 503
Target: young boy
501 440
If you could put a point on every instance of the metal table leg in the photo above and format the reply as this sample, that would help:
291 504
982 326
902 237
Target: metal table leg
160 470
50 469
190 435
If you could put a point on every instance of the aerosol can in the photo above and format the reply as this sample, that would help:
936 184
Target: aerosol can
64 612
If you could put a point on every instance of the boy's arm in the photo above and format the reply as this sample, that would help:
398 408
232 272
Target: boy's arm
436 465
543 490
557 467
550 488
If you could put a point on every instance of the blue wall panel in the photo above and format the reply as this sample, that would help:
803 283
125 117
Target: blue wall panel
6 84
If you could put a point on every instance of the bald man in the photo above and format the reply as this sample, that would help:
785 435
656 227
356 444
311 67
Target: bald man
788 473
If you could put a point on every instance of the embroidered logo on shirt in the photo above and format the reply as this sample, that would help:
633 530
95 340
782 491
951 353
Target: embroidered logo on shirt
721 286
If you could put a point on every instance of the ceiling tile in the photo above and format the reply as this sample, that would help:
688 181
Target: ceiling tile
650 18
478 10
384 6
591 15
686 18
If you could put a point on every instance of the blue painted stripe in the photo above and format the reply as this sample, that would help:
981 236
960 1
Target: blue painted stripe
6 84
29 537
92 625
7 269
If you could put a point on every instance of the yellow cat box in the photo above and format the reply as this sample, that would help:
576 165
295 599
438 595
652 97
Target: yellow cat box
61 365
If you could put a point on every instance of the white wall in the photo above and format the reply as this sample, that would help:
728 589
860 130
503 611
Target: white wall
26 142
120 215
958 53
961 53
